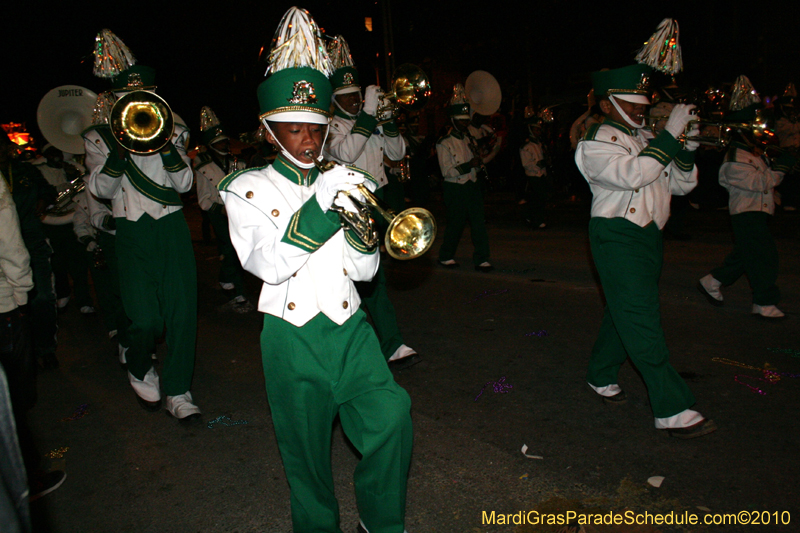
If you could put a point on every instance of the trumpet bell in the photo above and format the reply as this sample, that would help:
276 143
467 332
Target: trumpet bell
142 122
411 87
410 234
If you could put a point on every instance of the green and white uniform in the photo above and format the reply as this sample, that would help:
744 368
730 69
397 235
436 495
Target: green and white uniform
462 197
361 142
321 358
158 279
631 183
751 183
209 173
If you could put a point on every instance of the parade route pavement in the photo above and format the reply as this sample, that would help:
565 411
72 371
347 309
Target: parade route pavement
504 361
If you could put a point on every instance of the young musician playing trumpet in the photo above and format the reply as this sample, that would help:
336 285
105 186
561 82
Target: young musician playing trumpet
631 181
321 358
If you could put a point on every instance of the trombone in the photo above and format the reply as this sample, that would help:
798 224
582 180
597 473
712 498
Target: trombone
410 233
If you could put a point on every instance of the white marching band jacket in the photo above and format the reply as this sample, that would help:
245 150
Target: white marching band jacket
167 171
750 181
630 178
208 176
454 154
362 143
307 262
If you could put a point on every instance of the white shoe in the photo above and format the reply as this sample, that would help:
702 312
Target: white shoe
87 310
226 286
148 389
182 406
112 334
402 352
62 302
767 311
711 286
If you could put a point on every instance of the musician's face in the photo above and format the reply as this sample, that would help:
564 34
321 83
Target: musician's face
350 102
298 137
634 111
461 124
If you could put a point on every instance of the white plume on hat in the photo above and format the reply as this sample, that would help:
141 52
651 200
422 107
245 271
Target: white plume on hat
111 56
298 43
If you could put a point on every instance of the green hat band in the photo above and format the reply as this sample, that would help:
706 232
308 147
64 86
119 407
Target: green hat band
458 109
633 79
345 77
748 114
301 89
207 136
136 78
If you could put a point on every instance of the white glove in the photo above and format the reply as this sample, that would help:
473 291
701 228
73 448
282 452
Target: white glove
372 97
679 118
343 201
91 246
694 131
339 178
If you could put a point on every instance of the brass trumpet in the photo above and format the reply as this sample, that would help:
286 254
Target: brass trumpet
720 133
142 122
410 233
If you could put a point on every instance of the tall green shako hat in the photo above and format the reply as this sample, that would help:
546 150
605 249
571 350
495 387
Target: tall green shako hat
114 60
458 108
745 102
661 52
210 127
345 76
297 87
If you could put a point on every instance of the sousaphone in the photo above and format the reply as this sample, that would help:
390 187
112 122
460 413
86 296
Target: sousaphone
483 93
63 114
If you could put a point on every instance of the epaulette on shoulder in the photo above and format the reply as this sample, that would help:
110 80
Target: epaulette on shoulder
202 158
96 127
591 132
445 136
227 180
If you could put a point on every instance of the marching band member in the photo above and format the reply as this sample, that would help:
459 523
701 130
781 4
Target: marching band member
534 164
356 138
321 358
631 182
95 227
211 164
157 271
750 181
68 260
462 193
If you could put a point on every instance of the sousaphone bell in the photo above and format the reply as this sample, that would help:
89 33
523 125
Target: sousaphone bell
142 122
64 113
483 93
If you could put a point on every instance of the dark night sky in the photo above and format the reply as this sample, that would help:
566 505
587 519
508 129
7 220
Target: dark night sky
545 50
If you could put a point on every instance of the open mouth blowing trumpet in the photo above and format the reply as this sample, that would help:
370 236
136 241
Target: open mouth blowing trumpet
410 233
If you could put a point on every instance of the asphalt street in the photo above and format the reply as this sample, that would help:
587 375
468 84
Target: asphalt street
504 361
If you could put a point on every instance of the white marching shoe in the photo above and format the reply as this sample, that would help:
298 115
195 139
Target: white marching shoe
147 390
767 311
709 287
182 407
